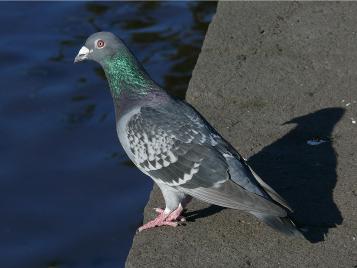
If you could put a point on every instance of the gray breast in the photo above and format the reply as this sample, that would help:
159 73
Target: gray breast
123 136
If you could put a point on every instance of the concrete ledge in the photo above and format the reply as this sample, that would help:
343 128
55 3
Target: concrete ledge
263 64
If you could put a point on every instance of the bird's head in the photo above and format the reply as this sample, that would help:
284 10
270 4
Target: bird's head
99 47
121 68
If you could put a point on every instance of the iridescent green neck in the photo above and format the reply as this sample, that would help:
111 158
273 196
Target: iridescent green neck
124 73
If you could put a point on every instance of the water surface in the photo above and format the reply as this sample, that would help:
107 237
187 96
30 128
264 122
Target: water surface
69 197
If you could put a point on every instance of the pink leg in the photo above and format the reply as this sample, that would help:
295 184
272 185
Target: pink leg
169 219
172 215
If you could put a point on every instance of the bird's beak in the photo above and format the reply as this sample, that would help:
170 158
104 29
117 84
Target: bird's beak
82 54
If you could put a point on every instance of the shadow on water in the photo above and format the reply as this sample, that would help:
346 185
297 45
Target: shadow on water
305 175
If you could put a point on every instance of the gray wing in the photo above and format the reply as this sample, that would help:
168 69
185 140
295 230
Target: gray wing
177 147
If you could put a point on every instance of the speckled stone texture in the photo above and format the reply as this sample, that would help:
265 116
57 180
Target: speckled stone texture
264 64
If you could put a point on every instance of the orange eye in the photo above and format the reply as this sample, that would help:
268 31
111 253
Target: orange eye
100 44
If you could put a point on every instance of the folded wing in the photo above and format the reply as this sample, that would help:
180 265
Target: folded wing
177 147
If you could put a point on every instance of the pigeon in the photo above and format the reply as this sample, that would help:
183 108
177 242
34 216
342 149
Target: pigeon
173 144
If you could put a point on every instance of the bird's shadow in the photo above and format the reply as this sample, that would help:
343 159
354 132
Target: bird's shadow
303 174
191 216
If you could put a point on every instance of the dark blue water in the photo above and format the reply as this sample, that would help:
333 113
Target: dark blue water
69 197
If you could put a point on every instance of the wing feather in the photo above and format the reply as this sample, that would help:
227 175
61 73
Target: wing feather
181 150
231 196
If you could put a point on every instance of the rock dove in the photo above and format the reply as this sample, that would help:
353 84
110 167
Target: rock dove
169 141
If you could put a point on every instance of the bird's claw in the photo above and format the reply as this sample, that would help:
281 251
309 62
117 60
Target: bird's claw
169 219
180 217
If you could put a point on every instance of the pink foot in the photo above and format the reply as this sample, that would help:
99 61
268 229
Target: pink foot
174 215
168 219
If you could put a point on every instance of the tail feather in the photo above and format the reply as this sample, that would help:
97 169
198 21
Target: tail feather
284 225
274 195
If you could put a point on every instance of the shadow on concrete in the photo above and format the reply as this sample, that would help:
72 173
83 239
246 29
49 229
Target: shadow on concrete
303 174
202 213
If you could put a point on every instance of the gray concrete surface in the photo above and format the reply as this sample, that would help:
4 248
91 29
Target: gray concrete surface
261 65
